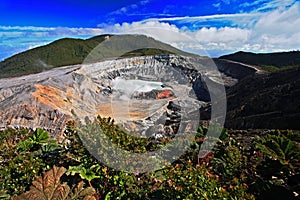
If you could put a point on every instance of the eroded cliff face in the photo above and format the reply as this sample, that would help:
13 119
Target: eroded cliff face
267 101
140 92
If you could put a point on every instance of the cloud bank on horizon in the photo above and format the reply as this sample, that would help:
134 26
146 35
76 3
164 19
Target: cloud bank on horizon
217 27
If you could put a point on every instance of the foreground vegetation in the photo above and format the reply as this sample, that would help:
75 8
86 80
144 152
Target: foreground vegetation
33 166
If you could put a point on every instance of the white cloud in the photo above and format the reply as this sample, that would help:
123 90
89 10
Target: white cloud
280 21
273 4
144 2
205 39
205 18
45 31
226 1
129 8
236 20
217 5
159 30
76 31
253 3
222 35
120 11
277 30
25 28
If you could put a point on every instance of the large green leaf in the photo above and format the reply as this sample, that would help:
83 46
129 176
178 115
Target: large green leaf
40 136
279 147
84 173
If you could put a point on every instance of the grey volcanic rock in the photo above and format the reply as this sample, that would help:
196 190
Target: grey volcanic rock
235 69
151 95
140 93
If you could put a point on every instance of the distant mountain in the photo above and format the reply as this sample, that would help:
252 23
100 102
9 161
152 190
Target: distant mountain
69 51
267 61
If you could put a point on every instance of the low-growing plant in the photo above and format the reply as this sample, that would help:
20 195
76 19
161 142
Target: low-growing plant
278 164
24 155
230 171
50 187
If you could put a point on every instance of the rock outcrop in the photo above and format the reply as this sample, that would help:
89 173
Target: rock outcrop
140 93
146 95
262 100
265 101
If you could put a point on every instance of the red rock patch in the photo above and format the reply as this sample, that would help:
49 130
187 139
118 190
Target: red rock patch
164 94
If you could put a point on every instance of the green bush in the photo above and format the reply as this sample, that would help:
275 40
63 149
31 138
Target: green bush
231 171
24 155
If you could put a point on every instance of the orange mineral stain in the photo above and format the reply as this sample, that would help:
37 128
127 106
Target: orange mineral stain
164 94
51 96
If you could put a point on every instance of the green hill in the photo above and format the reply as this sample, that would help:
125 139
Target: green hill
70 51
267 61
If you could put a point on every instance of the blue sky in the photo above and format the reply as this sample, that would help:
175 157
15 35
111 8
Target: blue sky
216 27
